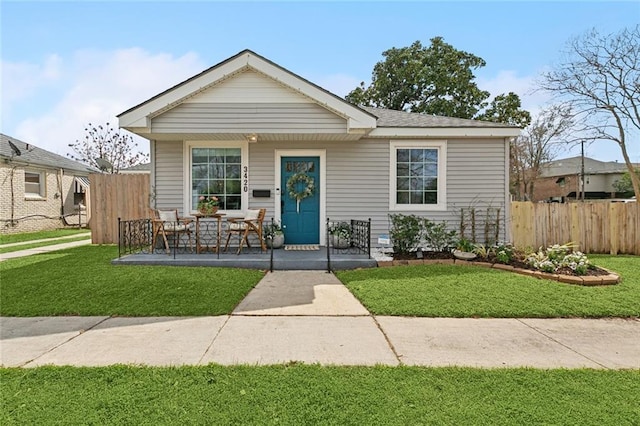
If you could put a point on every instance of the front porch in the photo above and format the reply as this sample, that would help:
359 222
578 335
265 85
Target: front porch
135 248
254 259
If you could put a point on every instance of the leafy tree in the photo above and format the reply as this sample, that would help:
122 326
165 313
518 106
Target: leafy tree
540 142
600 80
107 143
506 109
624 185
437 80
434 80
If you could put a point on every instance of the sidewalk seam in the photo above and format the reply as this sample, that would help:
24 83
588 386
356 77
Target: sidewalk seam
393 348
520 320
213 340
80 333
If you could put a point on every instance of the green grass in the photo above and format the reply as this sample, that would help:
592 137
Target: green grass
41 244
469 291
82 281
29 236
315 395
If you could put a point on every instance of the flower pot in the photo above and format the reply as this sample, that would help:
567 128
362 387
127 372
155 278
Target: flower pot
340 242
277 241
208 210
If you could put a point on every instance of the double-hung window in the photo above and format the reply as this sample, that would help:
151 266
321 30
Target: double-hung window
33 184
417 171
220 171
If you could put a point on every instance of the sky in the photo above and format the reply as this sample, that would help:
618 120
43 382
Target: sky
65 64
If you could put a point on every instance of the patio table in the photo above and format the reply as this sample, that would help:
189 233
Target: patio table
199 245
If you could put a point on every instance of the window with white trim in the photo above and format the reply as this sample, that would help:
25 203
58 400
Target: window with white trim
33 184
417 173
218 171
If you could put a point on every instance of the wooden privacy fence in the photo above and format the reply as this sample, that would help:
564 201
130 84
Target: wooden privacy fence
600 227
116 196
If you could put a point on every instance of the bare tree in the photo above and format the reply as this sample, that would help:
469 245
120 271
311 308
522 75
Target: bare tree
539 143
107 149
601 81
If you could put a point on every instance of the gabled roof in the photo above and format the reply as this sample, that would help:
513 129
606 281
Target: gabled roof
139 116
32 155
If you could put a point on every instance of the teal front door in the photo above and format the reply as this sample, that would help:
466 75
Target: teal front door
301 219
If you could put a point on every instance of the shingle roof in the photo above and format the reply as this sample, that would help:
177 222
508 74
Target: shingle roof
573 165
142 167
392 118
31 154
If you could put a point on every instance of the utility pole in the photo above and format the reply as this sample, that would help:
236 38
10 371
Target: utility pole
582 182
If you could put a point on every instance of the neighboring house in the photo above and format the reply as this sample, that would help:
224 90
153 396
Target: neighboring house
40 190
560 181
137 169
245 128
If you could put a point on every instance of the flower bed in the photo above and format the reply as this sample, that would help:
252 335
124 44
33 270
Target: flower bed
557 263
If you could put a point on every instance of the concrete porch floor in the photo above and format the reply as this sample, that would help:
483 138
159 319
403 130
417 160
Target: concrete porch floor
255 259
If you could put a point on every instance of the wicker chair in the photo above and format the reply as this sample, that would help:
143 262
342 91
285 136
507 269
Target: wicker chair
167 222
250 224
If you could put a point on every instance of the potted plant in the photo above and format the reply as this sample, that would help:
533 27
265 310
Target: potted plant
341 235
273 235
208 205
465 250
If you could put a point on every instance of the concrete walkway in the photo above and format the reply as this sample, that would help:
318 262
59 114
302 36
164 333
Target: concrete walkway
309 316
43 249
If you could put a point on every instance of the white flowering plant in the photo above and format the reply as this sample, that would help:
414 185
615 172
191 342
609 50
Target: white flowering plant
559 257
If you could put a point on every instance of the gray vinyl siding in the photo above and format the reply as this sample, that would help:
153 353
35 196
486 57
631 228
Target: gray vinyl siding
248 118
357 184
169 180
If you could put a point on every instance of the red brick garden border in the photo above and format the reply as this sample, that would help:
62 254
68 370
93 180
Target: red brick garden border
585 280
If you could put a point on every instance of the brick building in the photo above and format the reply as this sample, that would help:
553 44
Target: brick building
560 181
39 189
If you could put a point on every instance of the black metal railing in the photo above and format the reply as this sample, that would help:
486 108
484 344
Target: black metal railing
348 237
134 236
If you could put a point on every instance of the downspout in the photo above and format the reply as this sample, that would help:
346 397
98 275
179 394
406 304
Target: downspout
13 195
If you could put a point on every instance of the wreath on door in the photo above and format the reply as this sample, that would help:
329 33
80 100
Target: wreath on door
308 187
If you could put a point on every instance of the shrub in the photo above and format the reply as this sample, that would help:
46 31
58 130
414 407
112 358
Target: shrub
437 237
405 232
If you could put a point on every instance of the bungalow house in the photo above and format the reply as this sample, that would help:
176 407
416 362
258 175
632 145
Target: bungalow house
40 190
259 136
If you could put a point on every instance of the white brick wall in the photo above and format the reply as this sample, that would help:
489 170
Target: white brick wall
33 213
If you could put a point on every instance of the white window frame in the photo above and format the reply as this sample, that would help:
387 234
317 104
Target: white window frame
41 185
244 152
441 147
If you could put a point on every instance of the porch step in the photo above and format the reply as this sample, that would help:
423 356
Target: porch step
282 261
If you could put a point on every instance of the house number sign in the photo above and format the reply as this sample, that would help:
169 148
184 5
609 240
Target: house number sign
245 179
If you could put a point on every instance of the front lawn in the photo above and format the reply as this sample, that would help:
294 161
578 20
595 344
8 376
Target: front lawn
471 291
82 281
311 394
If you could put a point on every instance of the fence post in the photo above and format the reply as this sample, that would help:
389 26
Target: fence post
270 236
369 239
613 228
328 251
119 236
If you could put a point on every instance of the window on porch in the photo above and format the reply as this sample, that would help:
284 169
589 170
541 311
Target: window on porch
217 172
